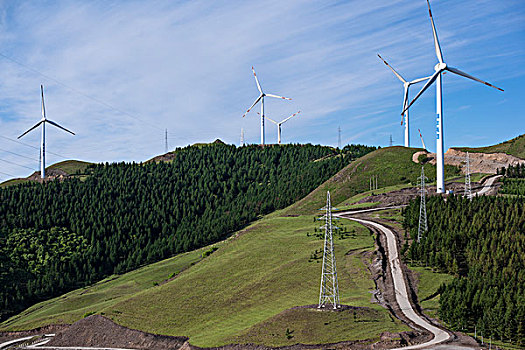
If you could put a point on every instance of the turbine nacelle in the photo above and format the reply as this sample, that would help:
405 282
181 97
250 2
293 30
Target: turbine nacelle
441 66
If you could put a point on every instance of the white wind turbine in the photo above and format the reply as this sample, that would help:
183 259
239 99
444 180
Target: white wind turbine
440 68
406 85
43 122
261 98
279 125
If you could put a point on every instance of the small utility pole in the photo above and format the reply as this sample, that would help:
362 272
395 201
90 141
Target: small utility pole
339 139
329 292
468 189
422 228
242 136
166 141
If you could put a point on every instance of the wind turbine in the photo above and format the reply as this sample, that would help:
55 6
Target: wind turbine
279 125
406 85
43 122
439 69
261 98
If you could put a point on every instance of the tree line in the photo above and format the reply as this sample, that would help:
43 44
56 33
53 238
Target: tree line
482 243
58 236
513 180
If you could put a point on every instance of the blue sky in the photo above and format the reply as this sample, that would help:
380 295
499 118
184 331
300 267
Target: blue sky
186 66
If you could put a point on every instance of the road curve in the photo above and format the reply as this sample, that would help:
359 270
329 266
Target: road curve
400 288
488 185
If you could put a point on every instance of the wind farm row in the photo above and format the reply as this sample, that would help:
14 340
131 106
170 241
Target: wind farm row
440 68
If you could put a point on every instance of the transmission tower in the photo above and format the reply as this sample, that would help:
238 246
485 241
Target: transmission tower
166 141
242 136
423 227
339 139
329 293
391 141
468 189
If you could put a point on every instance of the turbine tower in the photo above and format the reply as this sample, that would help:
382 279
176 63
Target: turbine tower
43 122
406 85
423 227
440 68
468 189
261 98
281 123
329 292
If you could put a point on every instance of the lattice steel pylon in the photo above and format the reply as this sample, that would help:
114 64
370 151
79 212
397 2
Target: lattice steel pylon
329 293
423 227
468 189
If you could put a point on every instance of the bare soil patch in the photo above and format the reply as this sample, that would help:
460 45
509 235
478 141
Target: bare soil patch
487 163
98 331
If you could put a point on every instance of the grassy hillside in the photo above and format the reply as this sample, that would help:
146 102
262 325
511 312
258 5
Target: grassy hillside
129 214
71 167
244 286
514 147
392 165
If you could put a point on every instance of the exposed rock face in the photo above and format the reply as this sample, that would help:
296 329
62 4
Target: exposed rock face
487 163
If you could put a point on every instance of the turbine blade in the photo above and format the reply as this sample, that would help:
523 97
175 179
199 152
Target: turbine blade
34 127
436 41
293 115
421 136
43 105
405 101
273 121
58 126
463 74
257 81
276 96
429 82
392 68
256 101
419 80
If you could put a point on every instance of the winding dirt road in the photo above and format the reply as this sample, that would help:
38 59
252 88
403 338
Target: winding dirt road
400 288
401 291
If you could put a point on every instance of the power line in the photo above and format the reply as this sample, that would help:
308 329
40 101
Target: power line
20 165
16 154
1 172
28 145
78 91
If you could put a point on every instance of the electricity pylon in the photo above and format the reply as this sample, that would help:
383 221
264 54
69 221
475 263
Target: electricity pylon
468 189
423 227
329 293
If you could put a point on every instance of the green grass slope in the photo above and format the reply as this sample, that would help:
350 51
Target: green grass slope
71 167
514 147
392 165
247 284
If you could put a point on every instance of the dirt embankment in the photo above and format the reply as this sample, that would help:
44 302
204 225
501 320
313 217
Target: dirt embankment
98 331
487 163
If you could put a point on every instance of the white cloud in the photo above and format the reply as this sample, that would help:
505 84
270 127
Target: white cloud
185 66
